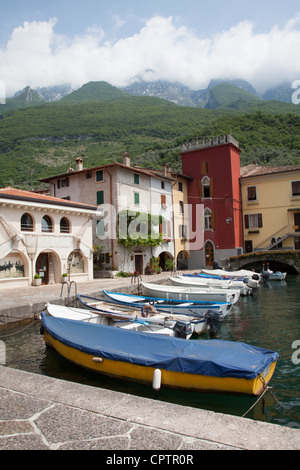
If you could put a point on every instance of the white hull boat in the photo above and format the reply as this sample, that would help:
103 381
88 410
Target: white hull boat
196 281
188 293
116 302
242 274
158 324
274 276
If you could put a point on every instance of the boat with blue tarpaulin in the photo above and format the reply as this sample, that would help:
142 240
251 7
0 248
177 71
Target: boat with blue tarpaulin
195 365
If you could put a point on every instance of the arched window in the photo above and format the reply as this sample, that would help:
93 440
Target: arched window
26 223
207 219
64 225
47 224
206 187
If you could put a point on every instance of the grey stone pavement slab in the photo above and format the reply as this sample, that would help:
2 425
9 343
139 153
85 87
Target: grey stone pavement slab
43 413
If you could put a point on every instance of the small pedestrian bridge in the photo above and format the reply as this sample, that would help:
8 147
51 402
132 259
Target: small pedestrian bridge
276 260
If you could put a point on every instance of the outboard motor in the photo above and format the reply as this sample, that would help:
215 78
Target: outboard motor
213 318
183 329
254 281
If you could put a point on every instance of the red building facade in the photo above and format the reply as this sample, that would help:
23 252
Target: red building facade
214 166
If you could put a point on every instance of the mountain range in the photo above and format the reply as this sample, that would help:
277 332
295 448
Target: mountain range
42 131
219 93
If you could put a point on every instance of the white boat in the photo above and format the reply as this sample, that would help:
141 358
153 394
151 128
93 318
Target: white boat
242 274
190 293
158 324
271 276
125 303
166 306
196 281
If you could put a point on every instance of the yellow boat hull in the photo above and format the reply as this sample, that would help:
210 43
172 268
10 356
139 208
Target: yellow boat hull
169 379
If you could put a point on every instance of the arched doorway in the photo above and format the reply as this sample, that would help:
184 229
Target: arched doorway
166 260
182 260
42 267
209 253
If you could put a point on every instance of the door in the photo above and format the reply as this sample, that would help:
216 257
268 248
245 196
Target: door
248 246
138 263
42 267
209 254
297 221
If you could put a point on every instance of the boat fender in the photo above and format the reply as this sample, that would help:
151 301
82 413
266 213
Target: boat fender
97 359
156 382
42 330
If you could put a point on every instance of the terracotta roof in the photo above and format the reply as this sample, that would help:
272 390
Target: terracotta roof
13 193
101 167
256 170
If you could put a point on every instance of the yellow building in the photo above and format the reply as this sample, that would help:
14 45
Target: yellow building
271 207
180 220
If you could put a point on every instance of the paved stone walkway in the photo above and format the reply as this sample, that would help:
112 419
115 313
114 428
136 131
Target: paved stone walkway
39 412
43 413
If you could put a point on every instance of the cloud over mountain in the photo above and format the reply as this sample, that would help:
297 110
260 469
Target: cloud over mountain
35 55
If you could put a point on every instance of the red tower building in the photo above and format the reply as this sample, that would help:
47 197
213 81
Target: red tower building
214 166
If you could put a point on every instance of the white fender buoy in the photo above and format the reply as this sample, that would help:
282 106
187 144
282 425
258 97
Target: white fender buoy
156 382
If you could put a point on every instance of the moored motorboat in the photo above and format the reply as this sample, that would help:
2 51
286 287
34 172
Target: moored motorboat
169 306
196 281
274 276
201 321
196 365
158 324
241 274
190 293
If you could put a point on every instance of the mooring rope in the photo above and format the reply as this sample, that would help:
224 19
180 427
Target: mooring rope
269 389
19 331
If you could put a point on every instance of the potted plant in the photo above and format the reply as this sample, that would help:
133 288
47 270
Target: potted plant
64 278
36 280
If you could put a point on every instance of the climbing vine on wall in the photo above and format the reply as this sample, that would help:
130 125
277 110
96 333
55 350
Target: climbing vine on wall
138 229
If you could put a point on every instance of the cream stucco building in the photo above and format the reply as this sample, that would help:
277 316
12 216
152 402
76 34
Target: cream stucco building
44 235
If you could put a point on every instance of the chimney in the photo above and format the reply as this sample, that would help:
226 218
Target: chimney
166 170
79 164
126 158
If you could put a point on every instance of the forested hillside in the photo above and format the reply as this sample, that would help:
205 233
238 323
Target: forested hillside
99 122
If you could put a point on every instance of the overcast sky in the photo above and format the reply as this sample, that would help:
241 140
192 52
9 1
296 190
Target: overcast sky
52 42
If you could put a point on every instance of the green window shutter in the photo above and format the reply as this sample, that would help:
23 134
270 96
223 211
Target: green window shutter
99 175
100 197
136 199
136 178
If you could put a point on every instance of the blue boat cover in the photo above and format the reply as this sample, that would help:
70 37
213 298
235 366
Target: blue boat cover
202 357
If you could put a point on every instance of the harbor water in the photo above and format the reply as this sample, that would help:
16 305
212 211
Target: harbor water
270 319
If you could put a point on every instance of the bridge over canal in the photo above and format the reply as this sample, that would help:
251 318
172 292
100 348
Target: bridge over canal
277 260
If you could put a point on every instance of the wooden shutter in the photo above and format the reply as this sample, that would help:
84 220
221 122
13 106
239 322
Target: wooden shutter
204 167
211 187
200 188
246 221
259 216
213 219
